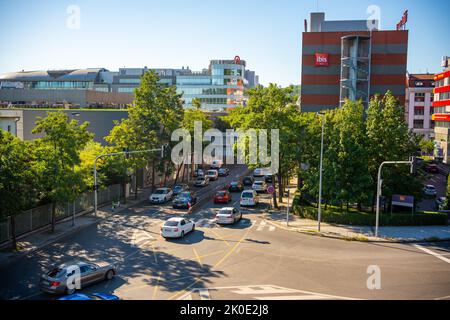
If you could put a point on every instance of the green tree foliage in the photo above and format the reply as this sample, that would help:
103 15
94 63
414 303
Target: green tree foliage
196 103
426 146
57 155
17 187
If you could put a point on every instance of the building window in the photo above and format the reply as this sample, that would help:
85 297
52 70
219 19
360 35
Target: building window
419 97
419 111
418 124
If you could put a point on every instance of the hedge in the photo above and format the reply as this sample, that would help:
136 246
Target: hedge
357 218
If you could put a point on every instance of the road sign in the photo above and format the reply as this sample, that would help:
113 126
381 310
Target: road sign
271 190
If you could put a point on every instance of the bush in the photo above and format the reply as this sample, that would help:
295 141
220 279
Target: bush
357 218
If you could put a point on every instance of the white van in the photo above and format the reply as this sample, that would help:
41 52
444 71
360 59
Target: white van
249 198
212 174
216 164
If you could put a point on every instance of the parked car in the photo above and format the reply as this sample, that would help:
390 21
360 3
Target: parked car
201 182
432 168
161 195
56 280
248 181
184 200
258 173
199 173
430 190
268 178
212 174
440 202
260 186
93 296
216 164
249 198
222 196
223 172
177 228
235 186
179 188
228 216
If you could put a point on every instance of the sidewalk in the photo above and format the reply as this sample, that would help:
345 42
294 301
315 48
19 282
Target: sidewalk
42 238
363 233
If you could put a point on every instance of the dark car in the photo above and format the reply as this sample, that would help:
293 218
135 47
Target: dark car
223 172
235 186
199 173
184 200
268 178
93 296
179 188
248 181
432 168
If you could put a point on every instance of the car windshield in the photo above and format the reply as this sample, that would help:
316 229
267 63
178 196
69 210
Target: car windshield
54 273
225 211
200 179
247 195
212 172
184 195
221 193
258 183
161 191
247 178
171 223
431 187
177 187
234 184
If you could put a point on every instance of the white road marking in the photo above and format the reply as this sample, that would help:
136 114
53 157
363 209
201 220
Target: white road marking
437 255
271 228
261 226
204 294
263 290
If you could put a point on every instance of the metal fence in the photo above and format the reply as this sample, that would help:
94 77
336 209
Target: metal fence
39 217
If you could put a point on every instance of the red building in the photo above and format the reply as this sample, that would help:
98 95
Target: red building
344 59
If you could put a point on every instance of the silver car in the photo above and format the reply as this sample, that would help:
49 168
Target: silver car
62 279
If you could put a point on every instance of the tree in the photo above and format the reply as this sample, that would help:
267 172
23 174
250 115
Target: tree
388 138
56 155
426 146
17 180
197 103
155 112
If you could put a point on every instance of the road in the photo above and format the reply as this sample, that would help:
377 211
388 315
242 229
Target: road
438 180
249 260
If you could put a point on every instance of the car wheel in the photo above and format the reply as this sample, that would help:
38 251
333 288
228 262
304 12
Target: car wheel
70 291
109 275
182 234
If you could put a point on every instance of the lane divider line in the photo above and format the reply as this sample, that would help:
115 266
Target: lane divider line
437 255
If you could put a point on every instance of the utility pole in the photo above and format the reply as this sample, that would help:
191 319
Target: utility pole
319 214
379 185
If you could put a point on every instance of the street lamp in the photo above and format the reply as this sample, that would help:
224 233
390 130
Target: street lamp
379 185
319 214
116 154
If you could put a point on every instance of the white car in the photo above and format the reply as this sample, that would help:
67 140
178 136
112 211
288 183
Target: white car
212 174
228 215
430 190
177 228
216 164
259 186
258 173
249 198
161 195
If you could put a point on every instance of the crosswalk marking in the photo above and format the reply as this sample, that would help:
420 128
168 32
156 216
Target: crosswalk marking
263 290
261 225
142 238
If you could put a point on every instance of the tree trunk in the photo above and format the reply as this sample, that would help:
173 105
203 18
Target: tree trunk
280 186
124 190
153 175
53 217
136 184
13 232
178 172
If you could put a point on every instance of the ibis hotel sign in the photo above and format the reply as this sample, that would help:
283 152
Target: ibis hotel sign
321 60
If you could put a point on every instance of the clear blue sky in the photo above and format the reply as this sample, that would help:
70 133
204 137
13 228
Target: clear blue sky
175 33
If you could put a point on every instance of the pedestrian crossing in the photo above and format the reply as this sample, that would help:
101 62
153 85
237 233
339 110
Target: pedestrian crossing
257 292
260 225
142 239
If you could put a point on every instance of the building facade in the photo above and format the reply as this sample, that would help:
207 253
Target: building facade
220 87
418 104
441 116
347 60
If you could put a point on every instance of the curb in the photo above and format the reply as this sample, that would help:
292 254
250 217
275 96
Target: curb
71 231
341 237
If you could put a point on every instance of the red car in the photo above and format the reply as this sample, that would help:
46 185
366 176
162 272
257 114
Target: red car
222 197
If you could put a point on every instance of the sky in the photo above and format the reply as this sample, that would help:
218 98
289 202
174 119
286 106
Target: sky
44 34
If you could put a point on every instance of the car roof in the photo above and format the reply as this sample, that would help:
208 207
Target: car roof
178 219
430 186
227 208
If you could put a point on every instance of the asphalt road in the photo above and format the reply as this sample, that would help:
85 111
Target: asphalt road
249 260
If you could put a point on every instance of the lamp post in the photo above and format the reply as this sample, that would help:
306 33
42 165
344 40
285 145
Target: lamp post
319 213
112 155
379 185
